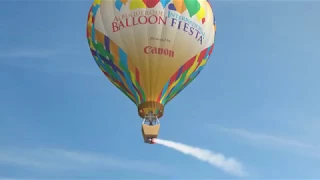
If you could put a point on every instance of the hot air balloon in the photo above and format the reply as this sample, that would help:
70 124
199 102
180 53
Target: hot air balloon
151 49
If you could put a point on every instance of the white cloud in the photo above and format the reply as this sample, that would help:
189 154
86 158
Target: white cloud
267 139
61 160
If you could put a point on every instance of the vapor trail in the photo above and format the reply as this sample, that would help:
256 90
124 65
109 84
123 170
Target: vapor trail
229 165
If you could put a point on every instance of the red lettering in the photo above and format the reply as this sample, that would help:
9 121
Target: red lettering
153 19
115 27
127 23
158 51
145 19
164 21
133 21
121 24
146 49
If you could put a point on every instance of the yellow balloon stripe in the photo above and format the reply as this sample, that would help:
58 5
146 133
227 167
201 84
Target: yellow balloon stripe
96 2
136 4
193 67
114 50
201 13
169 89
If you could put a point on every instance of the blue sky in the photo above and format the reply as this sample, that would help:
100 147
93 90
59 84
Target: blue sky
257 100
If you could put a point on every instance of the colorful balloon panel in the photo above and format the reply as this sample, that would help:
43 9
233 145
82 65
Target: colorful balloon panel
151 49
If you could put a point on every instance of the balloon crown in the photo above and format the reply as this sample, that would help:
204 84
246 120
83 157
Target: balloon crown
193 7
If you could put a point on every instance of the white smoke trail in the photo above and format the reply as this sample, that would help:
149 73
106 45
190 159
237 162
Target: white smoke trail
229 165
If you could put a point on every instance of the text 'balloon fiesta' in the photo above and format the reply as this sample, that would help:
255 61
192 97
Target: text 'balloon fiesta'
151 49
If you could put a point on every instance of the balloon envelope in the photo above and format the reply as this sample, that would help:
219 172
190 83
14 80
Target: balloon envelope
151 49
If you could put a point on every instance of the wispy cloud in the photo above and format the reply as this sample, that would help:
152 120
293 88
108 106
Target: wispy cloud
267 139
274 142
28 53
61 160
49 61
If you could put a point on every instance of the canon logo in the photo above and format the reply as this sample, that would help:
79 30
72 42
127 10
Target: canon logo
160 51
